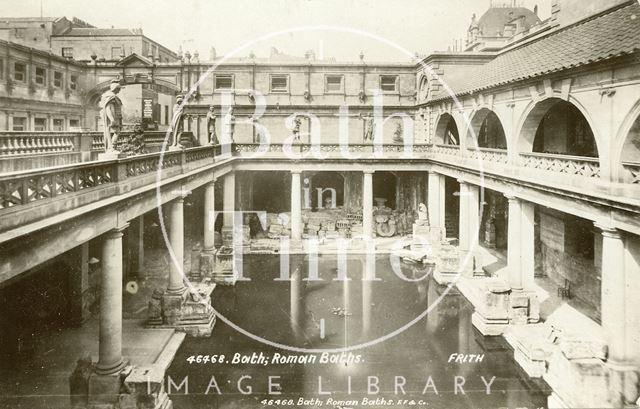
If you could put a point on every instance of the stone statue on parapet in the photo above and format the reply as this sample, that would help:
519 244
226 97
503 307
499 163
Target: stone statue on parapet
211 126
229 125
423 215
177 123
111 114
297 122
369 127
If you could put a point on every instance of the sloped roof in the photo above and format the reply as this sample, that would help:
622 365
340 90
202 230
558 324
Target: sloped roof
603 37
81 32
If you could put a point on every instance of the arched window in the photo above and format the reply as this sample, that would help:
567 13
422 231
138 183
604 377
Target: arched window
447 131
562 129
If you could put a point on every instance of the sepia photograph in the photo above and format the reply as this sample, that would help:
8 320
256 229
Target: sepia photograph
339 204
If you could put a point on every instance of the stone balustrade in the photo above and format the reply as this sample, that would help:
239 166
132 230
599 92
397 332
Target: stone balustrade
631 173
32 195
564 164
14 144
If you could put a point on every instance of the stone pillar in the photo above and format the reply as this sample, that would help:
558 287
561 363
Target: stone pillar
229 206
473 206
618 316
514 244
463 226
527 245
207 256
176 241
79 284
110 359
367 205
613 293
433 200
523 303
138 248
296 206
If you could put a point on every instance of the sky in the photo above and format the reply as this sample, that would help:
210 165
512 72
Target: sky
240 26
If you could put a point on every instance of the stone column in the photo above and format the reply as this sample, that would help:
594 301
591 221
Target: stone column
614 283
209 217
138 248
433 199
463 225
527 245
229 206
110 359
514 260
176 241
367 204
207 256
473 206
296 206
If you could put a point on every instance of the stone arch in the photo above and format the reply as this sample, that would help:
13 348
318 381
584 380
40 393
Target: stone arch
627 142
423 88
486 129
447 130
574 134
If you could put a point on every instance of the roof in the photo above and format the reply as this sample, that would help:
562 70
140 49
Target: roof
90 32
612 34
493 21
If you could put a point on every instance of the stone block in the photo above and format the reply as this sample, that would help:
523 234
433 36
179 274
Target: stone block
207 262
104 389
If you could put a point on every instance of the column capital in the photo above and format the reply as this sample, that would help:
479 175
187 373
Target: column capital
368 172
296 172
116 232
608 231
512 197
212 182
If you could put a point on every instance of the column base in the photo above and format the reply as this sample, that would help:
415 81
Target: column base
129 388
445 277
489 326
185 312
176 148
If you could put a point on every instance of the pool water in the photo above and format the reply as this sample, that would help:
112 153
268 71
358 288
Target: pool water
390 352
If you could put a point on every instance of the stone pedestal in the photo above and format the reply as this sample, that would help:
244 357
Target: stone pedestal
523 308
207 263
447 266
421 237
195 274
188 312
623 384
223 266
491 316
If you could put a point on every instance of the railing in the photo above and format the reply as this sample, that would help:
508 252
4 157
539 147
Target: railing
488 155
569 165
448 150
21 191
632 172
35 143
330 148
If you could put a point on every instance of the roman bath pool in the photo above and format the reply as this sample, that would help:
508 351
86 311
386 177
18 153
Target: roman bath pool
336 343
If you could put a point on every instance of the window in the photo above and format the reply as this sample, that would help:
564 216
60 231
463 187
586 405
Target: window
19 123
279 83
333 83
115 53
166 114
58 124
74 123
57 79
19 72
224 82
67 52
40 124
1 69
389 83
41 76
73 82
